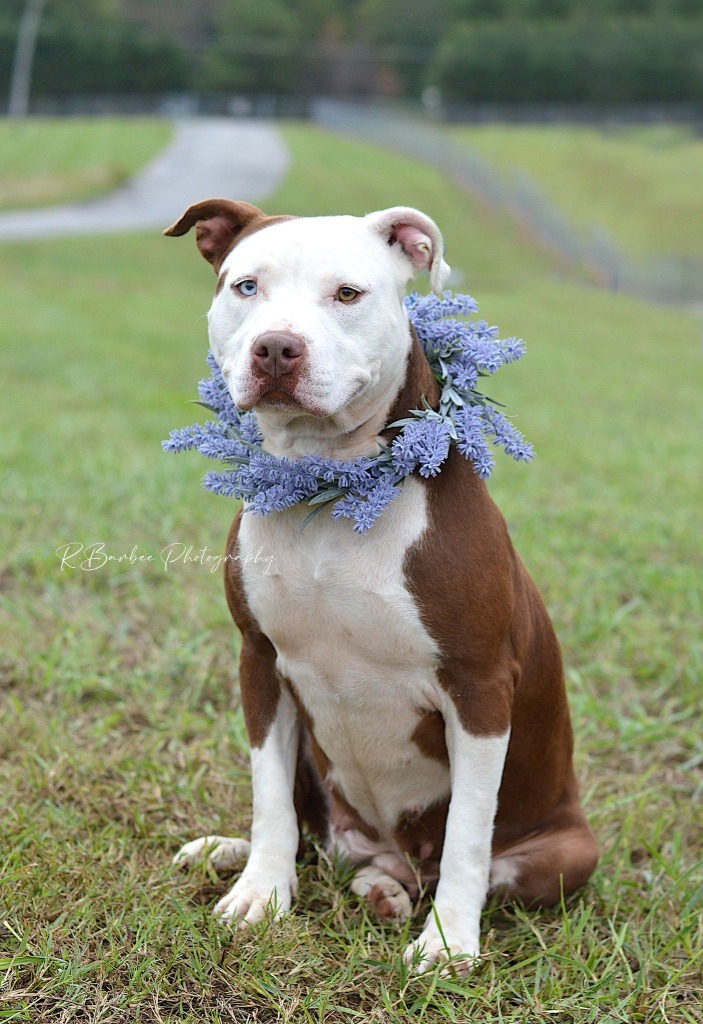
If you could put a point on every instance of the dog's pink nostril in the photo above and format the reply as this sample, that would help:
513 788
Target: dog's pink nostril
277 352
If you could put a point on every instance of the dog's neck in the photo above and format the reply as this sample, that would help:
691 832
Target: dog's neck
355 431
419 382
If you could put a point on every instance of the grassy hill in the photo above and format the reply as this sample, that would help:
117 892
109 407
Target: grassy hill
120 730
641 184
48 160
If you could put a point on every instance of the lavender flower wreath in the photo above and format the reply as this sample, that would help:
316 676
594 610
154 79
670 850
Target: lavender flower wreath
459 352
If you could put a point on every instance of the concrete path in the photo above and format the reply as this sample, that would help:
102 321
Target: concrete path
207 157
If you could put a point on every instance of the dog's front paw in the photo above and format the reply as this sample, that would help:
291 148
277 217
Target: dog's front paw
223 852
250 900
456 948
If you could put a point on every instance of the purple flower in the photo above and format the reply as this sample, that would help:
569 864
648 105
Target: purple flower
365 511
471 440
513 349
509 437
463 371
422 444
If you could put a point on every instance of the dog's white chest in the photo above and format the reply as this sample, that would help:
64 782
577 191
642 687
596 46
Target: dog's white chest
349 638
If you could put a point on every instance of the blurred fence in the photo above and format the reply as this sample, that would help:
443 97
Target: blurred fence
192 103
173 105
594 253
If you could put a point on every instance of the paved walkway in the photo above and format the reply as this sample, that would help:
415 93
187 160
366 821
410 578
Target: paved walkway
207 157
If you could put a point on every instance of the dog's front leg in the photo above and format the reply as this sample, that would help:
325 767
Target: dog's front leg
268 882
453 925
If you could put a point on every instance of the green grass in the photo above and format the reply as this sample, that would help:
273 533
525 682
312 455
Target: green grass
120 729
643 185
51 160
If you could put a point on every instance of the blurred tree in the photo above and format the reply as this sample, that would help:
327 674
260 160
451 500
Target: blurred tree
404 36
190 22
618 7
535 9
493 10
476 10
603 60
84 46
686 8
268 47
401 22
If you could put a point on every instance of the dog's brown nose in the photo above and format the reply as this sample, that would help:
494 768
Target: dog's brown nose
277 353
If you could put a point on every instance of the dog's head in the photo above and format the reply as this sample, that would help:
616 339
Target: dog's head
307 323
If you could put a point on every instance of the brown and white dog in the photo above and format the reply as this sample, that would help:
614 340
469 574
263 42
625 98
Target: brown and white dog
402 690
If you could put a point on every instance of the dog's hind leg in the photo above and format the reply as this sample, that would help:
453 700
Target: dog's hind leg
385 895
540 869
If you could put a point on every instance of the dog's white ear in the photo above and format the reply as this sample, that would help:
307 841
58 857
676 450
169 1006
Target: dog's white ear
219 225
418 237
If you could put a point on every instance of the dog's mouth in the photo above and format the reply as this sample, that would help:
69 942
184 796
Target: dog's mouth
277 396
297 394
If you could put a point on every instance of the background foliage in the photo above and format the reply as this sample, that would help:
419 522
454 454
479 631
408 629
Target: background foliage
88 46
516 51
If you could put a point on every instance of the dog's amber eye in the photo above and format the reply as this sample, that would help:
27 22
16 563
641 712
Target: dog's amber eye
347 294
247 287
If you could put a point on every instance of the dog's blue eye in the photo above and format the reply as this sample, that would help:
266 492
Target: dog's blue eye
247 287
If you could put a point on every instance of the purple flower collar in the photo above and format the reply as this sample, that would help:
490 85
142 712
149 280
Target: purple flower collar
459 352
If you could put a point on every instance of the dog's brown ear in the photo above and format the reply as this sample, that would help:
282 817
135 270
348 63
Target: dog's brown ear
219 224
